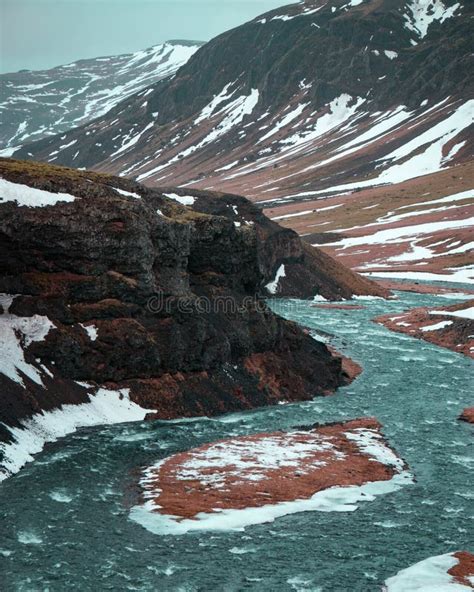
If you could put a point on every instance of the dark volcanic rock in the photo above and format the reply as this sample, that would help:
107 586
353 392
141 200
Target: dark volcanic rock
308 271
140 292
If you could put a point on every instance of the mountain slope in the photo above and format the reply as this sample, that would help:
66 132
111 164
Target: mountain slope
37 104
313 100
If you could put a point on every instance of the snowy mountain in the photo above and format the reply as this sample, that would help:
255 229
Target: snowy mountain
36 104
365 104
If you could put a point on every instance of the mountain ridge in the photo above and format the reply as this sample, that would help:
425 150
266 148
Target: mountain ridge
312 101
40 103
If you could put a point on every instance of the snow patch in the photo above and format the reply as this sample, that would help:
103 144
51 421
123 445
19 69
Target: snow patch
185 200
463 275
339 110
272 287
436 326
127 193
429 575
467 313
30 197
91 330
249 460
391 235
209 109
105 407
286 120
372 444
16 334
423 13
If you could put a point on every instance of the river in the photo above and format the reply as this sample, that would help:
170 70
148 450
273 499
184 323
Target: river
65 518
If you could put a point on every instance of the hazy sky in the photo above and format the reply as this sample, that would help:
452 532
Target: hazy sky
38 34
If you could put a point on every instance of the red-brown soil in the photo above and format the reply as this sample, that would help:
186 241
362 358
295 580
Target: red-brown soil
358 213
464 569
267 468
468 415
458 335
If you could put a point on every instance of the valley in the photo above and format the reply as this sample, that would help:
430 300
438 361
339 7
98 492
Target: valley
328 103
51 524
236 307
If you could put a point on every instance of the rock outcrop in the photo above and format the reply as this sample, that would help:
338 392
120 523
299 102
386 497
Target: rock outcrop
110 285
289 266
467 415
451 326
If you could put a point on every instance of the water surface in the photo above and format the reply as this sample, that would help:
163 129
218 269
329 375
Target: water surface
65 521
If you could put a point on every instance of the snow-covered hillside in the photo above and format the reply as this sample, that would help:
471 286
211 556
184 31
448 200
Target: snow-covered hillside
319 100
39 104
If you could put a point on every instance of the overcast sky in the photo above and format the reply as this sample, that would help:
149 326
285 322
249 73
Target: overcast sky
37 34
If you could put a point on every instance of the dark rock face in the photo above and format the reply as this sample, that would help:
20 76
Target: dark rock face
308 271
146 294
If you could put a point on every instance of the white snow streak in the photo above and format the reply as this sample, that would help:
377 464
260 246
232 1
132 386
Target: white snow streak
185 200
30 197
429 575
105 407
423 13
272 287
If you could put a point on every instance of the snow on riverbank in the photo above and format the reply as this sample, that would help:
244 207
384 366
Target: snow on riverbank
429 575
105 407
334 499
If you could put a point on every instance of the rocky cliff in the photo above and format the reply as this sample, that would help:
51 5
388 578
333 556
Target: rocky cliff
109 285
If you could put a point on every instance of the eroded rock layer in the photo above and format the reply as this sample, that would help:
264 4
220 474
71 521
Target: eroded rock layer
109 285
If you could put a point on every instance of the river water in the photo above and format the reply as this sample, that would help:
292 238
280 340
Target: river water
65 518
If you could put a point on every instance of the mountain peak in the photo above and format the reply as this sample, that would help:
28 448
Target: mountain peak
38 104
